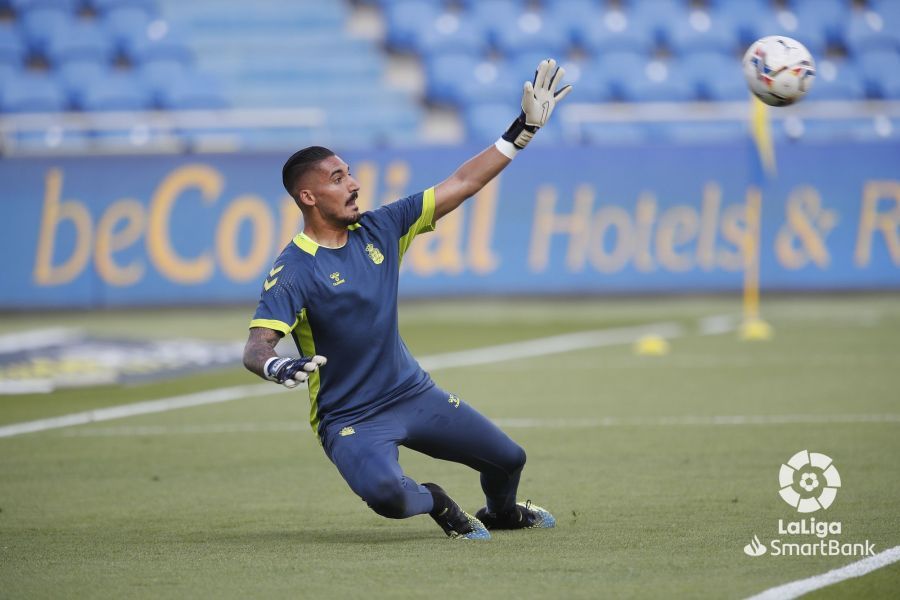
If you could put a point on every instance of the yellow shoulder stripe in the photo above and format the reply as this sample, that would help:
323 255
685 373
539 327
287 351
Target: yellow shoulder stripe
424 223
305 243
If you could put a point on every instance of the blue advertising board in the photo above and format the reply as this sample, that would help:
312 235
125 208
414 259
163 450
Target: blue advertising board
147 230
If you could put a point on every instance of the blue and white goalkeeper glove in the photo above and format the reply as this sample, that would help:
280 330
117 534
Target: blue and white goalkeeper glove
292 371
539 98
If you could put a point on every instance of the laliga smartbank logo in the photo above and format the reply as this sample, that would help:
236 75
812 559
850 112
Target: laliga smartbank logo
808 482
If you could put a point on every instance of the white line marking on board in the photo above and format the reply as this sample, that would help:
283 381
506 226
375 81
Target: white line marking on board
795 589
507 423
479 356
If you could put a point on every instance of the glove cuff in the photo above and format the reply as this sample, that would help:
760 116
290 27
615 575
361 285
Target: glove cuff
269 369
519 133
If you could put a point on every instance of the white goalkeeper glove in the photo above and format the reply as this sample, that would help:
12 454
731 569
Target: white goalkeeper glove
291 371
539 98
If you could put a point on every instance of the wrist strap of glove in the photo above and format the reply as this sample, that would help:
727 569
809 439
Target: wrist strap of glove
520 133
272 365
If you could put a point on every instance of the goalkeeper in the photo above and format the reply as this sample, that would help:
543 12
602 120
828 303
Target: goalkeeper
334 290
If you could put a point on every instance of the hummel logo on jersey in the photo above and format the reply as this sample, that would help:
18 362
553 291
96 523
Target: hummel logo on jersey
347 431
375 254
270 282
337 279
454 400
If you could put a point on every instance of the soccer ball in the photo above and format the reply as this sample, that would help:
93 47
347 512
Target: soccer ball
779 70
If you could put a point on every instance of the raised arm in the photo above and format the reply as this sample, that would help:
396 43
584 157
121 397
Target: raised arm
539 97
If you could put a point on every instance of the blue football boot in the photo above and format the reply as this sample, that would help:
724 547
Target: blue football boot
521 516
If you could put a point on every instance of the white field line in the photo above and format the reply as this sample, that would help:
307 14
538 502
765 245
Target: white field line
515 423
795 589
479 356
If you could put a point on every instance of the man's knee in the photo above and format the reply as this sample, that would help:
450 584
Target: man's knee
517 458
387 498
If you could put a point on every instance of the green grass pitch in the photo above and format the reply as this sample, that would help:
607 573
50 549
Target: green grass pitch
237 500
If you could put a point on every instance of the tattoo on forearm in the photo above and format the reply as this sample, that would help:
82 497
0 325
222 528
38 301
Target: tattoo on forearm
260 347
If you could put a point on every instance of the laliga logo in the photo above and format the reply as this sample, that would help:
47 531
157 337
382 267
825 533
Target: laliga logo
809 481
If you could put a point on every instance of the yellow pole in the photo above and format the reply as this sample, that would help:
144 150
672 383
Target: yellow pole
752 327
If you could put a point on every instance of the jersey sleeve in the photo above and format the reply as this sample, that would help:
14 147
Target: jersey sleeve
408 217
280 302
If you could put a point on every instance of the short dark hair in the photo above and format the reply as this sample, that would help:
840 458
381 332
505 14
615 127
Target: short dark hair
299 163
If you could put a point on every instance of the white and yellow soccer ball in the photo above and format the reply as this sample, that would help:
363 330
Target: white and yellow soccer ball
779 70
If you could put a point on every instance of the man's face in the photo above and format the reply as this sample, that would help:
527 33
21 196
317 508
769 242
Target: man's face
334 191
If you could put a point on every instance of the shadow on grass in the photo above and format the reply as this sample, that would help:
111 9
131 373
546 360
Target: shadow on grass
359 536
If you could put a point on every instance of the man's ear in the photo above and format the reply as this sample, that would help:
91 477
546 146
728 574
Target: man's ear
306 198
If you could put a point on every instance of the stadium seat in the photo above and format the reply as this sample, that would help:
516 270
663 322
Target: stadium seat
658 82
21 7
613 31
615 68
827 17
868 31
448 33
103 7
81 41
716 76
530 32
32 93
192 93
76 76
745 16
118 91
125 23
701 31
404 21
158 43
493 16
880 70
788 24
42 25
12 50
655 16
7 74
837 81
156 75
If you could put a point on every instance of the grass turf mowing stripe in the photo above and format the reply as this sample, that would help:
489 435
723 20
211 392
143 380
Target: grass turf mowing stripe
479 356
795 589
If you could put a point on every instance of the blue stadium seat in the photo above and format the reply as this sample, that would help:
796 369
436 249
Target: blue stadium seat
190 93
493 16
42 25
615 68
443 74
531 32
484 122
745 16
23 6
115 92
824 16
869 31
105 6
76 76
405 20
788 24
881 71
7 74
32 93
701 31
576 16
81 41
717 76
157 75
656 16
124 24
615 31
658 82
160 42
12 50
837 81
448 32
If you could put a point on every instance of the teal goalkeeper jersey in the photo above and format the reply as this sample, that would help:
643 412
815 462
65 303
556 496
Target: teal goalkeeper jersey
342 303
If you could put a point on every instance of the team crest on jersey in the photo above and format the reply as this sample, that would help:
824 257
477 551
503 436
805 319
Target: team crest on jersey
375 254
454 400
336 279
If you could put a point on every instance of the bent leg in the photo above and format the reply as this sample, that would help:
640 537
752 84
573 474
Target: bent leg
368 461
442 426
